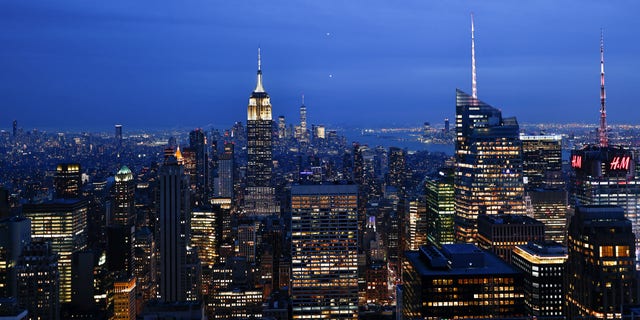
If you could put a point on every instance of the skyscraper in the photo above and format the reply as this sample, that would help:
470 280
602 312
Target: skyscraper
302 133
605 174
260 194
124 210
226 170
397 170
542 161
119 134
601 275
173 231
68 180
488 154
15 128
543 265
64 223
15 233
440 207
38 281
198 144
121 233
324 251
488 170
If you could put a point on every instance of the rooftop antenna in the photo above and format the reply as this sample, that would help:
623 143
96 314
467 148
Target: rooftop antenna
474 84
259 60
602 132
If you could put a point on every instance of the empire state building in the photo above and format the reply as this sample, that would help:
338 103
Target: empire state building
260 194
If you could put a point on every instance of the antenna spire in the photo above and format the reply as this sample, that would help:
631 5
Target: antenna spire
602 132
259 61
259 87
303 99
474 84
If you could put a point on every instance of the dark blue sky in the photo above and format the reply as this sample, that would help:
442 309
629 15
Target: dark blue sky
90 64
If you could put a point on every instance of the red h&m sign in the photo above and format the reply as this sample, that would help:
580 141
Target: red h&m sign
576 161
620 163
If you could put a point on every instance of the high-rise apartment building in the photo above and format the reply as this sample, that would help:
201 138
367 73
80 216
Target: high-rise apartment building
601 275
488 170
118 135
324 251
63 222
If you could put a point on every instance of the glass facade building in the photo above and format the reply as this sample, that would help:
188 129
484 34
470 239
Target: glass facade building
488 170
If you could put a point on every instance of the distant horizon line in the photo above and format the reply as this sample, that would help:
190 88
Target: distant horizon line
141 129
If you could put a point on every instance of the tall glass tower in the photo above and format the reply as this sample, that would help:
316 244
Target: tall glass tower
488 170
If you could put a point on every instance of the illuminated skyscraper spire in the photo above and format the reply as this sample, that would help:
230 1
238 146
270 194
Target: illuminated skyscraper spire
259 87
474 84
602 132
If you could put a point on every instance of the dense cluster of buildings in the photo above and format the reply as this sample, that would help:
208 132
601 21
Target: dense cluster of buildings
277 221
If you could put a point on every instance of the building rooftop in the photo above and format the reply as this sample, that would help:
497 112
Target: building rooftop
457 259
324 189
508 219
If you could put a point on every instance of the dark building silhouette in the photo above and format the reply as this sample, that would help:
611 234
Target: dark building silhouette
600 277
68 180
173 232
198 144
15 233
118 135
38 281
460 281
501 233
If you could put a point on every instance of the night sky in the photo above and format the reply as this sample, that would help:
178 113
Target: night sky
87 65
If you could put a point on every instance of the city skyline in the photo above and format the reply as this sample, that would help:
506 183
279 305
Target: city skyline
113 63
